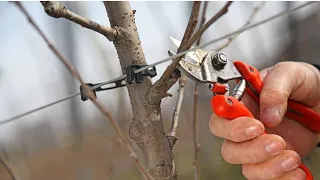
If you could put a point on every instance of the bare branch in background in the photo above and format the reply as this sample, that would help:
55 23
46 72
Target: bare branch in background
176 113
57 10
8 167
191 25
52 48
195 124
201 30
248 22
168 78
107 115
196 139
193 20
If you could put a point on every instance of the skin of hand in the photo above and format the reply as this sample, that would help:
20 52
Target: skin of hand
275 155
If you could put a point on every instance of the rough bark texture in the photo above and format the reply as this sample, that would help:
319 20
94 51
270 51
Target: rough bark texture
57 10
146 128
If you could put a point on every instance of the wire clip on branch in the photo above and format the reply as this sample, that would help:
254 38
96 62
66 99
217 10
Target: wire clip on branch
131 78
116 84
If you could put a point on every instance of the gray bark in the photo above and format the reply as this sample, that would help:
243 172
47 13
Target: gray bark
146 127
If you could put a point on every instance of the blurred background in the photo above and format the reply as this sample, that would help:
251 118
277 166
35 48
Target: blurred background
71 140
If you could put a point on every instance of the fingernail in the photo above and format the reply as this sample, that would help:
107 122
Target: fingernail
274 147
270 115
289 163
253 130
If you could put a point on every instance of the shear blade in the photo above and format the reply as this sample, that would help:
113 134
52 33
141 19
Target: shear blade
191 70
196 56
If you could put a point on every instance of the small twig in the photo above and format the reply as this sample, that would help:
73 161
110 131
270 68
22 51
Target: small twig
195 126
203 19
193 20
196 139
217 16
249 21
160 87
176 113
107 115
57 10
157 92
8 167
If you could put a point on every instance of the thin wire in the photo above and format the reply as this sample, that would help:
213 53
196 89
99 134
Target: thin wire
57 101
39 108
161 61
224 37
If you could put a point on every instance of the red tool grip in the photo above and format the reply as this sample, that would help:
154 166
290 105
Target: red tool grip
230 108
296 111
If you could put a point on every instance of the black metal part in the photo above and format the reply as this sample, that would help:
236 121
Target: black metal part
117 84
133 77
219 60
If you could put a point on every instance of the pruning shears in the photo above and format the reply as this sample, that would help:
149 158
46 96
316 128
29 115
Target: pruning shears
215 69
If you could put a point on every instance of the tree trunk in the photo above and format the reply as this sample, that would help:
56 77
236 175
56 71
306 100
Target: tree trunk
146 127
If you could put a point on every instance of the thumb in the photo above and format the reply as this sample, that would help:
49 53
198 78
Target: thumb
298 81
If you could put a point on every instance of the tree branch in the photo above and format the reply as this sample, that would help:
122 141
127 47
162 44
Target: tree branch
57 10
196 141
120 136
169 78
8 167
195 126
193 20
248 22
176 113
146 127
201 30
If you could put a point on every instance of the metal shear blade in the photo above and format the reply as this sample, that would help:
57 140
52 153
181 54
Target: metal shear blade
196 55
215 67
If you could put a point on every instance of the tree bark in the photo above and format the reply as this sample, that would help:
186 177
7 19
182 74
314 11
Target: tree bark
146 127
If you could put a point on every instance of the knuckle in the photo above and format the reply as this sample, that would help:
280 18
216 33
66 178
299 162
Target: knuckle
247 171
212 126
236 130
299 75
228 154
285 65
224 151
274 96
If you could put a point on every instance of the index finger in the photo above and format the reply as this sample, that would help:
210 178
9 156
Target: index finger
237 130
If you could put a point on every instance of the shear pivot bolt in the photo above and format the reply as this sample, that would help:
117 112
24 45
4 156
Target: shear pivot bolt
219 60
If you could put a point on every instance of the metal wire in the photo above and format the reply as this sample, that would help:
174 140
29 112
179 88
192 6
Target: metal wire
161 61
225 36
57 101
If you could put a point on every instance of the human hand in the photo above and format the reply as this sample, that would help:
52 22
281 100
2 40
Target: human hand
275 155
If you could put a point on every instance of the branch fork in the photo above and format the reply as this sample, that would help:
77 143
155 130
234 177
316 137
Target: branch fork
57 10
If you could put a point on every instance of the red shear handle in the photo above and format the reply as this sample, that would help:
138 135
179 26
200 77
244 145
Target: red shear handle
230 108
296 111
